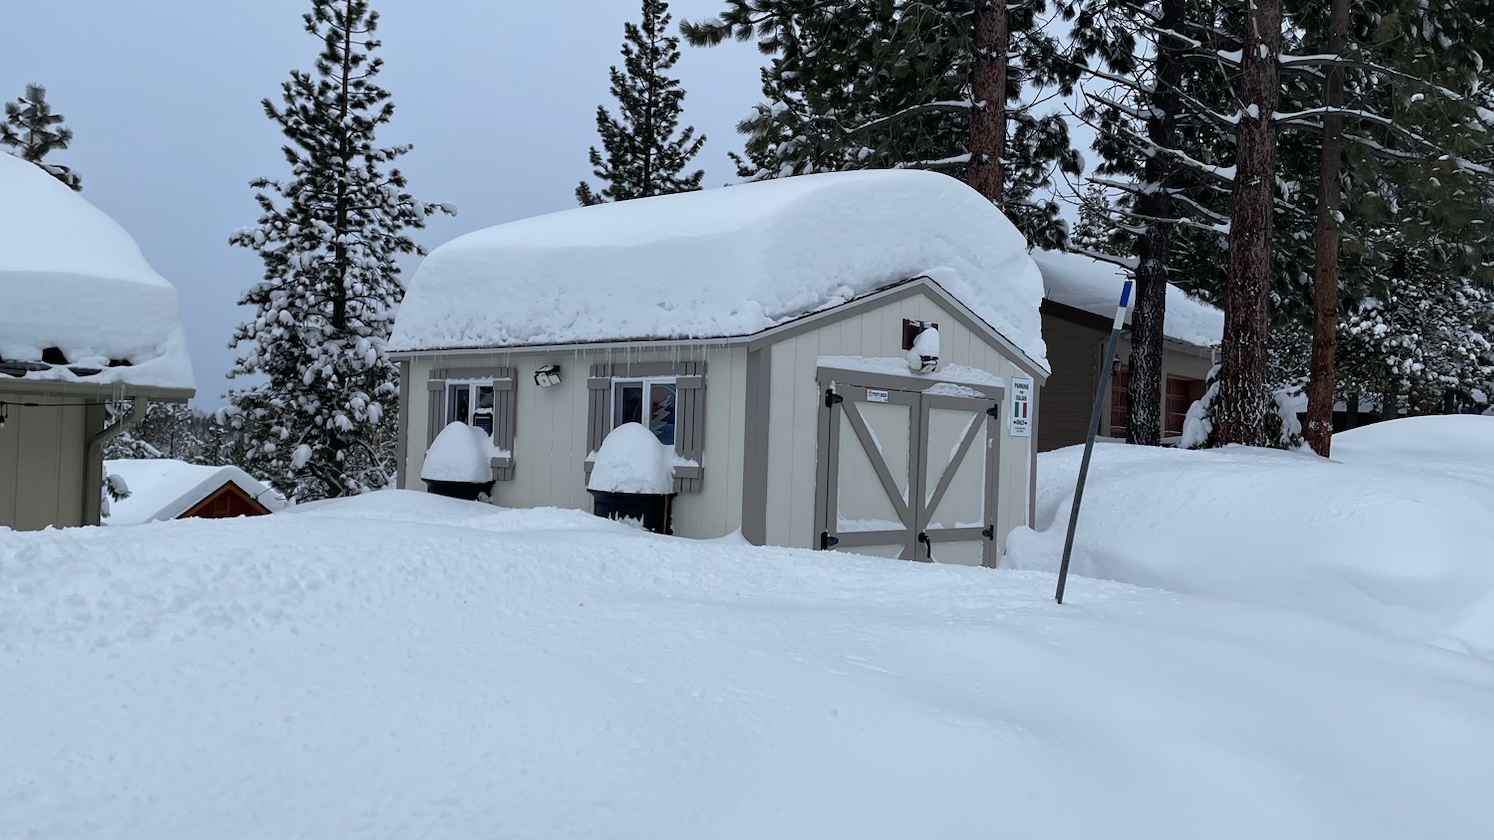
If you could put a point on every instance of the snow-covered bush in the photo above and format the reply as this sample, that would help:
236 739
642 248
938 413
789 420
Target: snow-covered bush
1283 428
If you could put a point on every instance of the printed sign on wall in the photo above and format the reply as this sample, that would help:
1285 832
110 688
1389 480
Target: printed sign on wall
1019 420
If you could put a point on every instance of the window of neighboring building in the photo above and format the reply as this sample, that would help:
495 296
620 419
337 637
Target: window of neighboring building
1118 381
650 401
471 402
1179 399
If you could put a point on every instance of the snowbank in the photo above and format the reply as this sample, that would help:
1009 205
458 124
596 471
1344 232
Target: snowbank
461 453
1459 444
722 262
1094 286
1403 553
164 488
632 460
402 665
71 278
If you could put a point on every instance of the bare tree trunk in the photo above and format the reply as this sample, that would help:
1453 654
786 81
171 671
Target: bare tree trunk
1242 381
988 100
1144 383
1319 431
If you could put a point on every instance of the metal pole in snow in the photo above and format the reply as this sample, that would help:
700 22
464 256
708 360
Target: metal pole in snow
1094 429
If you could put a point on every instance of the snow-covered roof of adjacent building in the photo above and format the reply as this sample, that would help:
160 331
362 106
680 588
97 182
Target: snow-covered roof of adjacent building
723 263
78 302
1094 286
164 488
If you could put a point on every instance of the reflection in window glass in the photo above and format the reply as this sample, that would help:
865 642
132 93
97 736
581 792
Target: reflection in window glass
650 402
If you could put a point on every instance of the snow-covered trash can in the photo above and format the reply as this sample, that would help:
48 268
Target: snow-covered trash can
459 463
632 478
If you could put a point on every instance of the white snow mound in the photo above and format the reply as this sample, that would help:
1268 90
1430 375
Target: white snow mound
1408 553
632 460
72 278
461 453
1093 286
722 262
165 488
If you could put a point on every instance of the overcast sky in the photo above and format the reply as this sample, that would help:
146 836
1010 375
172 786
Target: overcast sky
499 100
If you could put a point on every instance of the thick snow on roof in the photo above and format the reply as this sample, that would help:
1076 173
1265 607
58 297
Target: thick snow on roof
1094 286
72 278
722 262
164 488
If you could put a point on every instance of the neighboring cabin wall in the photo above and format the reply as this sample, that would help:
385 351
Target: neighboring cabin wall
551 425
42 455
795 404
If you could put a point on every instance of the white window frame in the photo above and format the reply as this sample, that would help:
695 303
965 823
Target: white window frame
471 385
647 382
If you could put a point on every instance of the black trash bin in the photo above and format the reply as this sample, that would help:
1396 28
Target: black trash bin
655 510
465 490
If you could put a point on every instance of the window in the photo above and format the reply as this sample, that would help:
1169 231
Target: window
650 401
470 402
1118 384
1179 399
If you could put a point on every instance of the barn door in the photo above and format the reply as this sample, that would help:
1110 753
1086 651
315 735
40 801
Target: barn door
959 445
869 481
908 475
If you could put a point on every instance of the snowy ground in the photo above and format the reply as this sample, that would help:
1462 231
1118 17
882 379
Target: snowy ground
406 666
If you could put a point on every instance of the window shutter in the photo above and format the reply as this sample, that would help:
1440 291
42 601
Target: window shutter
436 415
689 424
504 417
599 411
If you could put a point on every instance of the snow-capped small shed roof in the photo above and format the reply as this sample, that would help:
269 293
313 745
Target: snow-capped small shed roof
72 279
165 488
722 263
1093 286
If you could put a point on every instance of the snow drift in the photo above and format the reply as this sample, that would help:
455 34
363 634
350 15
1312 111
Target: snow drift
402 665
1403 552
72 278
722 262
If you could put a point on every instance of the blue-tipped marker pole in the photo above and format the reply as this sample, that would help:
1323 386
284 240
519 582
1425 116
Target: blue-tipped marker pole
1094 429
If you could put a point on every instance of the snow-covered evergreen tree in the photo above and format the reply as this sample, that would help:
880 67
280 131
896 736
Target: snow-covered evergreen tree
902 84
32 132
329 236
168 430
644 152
1095 232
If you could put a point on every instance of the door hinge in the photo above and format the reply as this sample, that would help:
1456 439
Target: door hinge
827 542
989 532
995 410
832 398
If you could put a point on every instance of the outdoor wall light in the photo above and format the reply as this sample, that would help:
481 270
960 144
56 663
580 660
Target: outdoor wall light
547 375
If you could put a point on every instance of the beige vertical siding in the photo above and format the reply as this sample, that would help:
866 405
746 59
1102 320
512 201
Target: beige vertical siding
42 456
795 405
550 430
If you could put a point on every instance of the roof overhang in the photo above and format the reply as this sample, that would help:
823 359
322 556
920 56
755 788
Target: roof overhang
780 332
94 390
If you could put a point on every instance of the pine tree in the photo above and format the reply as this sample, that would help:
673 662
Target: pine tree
168 430
905 84
328 237
1095 231
644 156
32 132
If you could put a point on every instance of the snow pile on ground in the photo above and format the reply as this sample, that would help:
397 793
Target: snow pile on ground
72 278
1093 286
164 488
722 262
632 460
1401 552
1456 444
461 453
403 665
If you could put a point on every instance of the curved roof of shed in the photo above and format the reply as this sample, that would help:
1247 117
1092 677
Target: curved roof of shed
74 283
722 263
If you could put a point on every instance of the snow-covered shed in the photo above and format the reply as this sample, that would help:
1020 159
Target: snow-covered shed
83 320
158 489
1079 299
764 331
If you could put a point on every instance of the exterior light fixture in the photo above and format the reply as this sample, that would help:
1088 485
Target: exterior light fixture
547 375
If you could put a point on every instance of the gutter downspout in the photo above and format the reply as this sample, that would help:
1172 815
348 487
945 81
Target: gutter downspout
93 465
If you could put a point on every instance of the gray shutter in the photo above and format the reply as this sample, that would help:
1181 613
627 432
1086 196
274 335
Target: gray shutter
436 414
599 410
689 424
504 416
